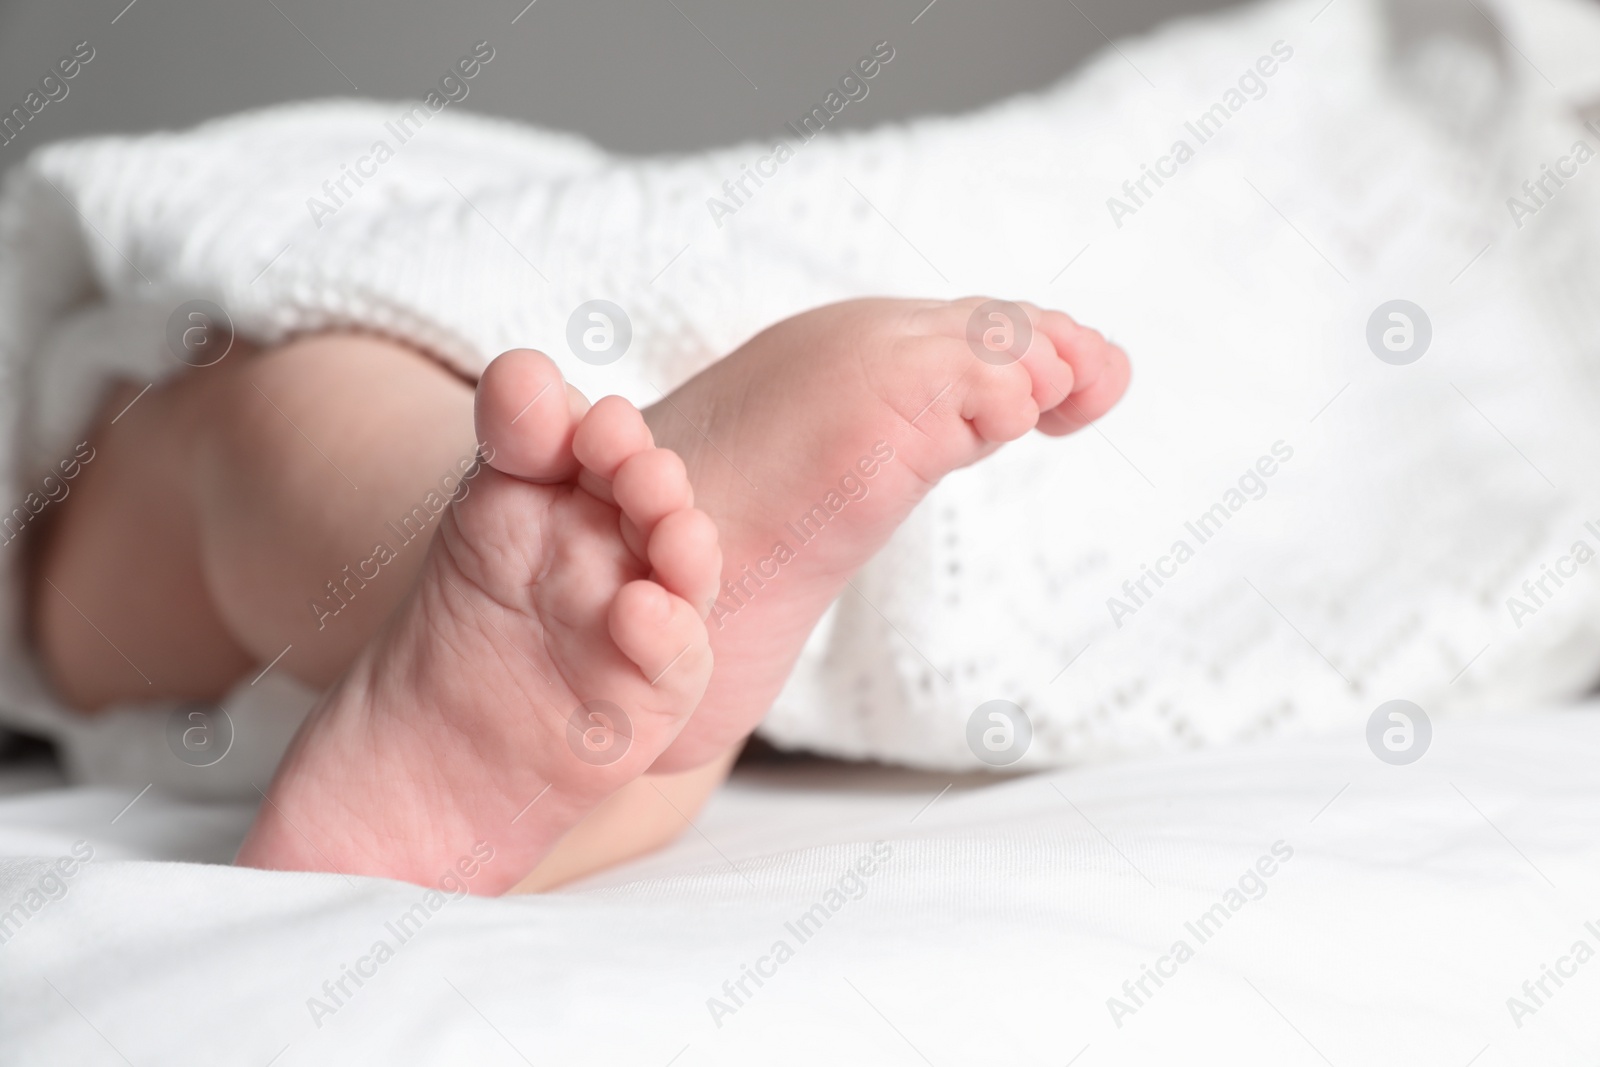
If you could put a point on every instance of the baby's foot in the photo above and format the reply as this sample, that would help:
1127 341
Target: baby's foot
811 443
553 647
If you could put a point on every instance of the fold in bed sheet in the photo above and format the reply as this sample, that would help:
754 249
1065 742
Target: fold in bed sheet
1333 909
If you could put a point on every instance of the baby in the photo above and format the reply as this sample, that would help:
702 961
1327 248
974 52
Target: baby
536 675
556 654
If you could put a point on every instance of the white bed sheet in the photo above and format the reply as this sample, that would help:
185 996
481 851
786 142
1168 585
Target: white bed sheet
1007 912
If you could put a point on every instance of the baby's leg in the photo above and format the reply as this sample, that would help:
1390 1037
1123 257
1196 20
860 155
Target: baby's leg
438 729
813 442
547 652
202 541
227 486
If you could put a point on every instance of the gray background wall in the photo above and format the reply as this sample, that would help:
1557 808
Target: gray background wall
634 75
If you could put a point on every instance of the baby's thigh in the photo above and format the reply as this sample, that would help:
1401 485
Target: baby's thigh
220 505
320 451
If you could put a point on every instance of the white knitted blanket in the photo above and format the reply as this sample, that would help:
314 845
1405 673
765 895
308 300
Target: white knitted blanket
1276 530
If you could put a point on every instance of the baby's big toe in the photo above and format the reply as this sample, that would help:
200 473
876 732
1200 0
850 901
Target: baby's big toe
525 414
1100 372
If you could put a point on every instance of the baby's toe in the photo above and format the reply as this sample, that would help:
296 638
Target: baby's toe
649 486
664 636
685 558
525 415
1000 405
610 434
1101 370
1007 344
1053 375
